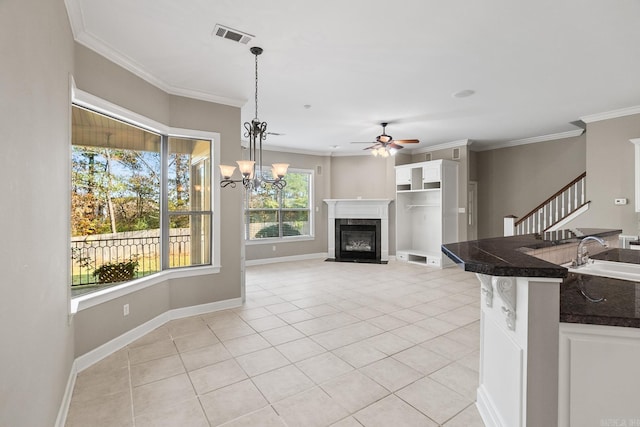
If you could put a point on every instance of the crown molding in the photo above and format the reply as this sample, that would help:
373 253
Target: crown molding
531 140
611 114
295 150
88 40
443 146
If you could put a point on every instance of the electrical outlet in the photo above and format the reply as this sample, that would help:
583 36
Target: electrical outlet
125 310
273 248
620 201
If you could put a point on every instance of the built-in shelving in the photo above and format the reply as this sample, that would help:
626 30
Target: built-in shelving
426 212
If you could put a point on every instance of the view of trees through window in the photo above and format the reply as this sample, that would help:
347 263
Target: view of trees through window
279 214
116 198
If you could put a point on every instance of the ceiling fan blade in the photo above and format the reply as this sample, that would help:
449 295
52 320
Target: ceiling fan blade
406 141
378 145
394 145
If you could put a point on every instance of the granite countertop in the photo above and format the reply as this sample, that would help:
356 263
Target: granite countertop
621 304
619 255
500 256
503 256
620 307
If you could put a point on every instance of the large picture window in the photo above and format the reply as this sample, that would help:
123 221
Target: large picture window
140 201
285 214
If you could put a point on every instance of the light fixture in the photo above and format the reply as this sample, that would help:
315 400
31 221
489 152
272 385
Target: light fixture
384 151
251 170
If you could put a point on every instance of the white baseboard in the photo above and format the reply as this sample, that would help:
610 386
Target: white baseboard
90 358
264 261
61 419
486 408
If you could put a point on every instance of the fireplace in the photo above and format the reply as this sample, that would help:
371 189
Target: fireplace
358 240
358 212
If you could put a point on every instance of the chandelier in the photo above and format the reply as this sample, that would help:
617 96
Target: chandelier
251 170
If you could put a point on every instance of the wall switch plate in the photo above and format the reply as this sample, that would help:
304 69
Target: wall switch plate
125 310
622 201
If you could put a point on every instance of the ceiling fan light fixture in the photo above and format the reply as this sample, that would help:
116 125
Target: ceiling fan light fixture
384 138
386 146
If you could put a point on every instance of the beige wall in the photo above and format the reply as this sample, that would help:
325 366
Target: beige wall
343 177
37 341
368 177
514 180
610 174
321 166
99 324
473 165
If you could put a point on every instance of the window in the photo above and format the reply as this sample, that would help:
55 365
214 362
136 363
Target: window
282 214
140 201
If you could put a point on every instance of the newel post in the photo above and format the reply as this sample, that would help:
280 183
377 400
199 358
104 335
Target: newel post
510 225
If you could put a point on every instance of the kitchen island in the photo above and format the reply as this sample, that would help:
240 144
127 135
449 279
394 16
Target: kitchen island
535 370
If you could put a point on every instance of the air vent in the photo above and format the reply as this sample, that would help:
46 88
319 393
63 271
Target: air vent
455 155
427 157
231 34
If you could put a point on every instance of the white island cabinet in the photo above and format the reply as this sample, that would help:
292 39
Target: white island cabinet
518 351
426 211
599 376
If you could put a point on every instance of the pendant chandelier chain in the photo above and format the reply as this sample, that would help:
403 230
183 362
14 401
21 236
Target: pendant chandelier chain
256 95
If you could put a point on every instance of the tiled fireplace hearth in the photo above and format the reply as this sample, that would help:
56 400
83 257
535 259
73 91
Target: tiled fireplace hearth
358 230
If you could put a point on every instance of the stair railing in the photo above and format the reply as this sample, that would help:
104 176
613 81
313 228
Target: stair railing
563 203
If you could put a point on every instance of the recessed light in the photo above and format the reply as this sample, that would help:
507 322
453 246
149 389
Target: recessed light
463 93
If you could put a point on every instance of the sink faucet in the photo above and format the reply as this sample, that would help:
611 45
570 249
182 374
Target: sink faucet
582 258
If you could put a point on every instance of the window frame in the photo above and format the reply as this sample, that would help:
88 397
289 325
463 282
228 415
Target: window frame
99 105
280 210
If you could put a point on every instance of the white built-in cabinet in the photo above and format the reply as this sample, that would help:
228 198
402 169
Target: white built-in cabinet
426 211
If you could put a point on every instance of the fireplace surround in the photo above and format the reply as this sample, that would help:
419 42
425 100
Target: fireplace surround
358 214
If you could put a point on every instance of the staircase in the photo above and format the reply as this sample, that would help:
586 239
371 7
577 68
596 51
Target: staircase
553 213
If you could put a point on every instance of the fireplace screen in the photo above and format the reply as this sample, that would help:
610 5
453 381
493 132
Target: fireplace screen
358 240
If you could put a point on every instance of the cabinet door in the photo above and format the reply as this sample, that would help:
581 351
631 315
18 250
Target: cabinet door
403 176
431 173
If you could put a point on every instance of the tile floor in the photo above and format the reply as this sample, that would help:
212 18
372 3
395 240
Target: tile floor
316 344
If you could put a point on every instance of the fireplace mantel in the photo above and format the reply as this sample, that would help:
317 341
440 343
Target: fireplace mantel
358 209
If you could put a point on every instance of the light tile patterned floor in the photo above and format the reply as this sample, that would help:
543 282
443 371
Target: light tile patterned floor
316 344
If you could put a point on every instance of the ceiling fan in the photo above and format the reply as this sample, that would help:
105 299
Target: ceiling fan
385 143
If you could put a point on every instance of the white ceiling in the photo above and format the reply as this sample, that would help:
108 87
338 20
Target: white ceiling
535 66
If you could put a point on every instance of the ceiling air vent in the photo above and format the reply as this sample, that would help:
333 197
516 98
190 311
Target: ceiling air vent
231 34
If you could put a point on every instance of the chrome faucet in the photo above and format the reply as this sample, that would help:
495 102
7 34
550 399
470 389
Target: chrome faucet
583 258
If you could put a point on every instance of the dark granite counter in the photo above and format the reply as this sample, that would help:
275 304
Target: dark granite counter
620 304
619 255
580 294
501 256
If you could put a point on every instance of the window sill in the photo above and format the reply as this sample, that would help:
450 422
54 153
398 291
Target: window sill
273 240
90 300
